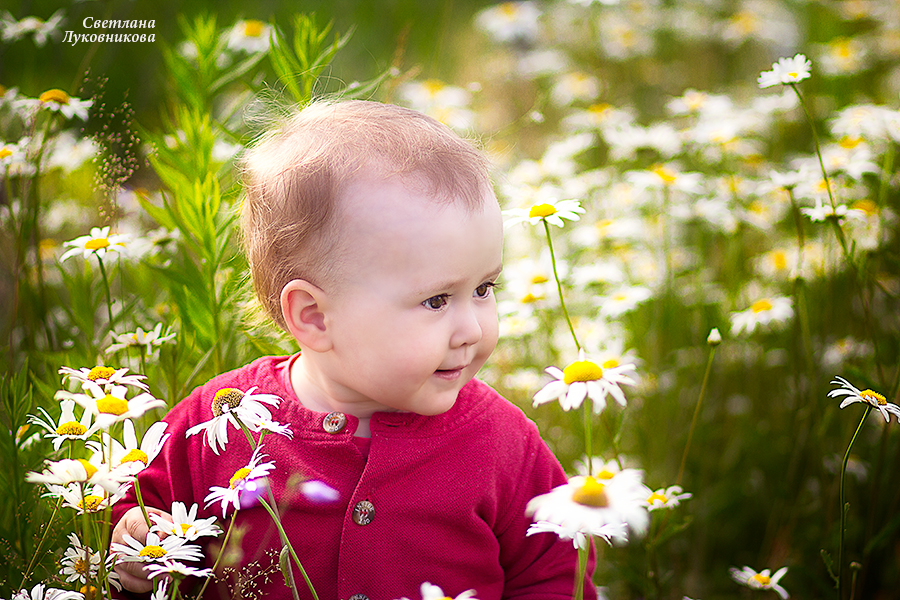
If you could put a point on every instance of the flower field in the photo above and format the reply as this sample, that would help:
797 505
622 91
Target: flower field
699 306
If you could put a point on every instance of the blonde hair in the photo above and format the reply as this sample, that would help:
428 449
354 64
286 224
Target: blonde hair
294 177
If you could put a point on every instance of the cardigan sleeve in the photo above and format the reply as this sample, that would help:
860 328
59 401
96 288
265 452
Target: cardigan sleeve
538 567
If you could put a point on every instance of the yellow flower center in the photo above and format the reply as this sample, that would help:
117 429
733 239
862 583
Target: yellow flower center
239 476
80 566
599 109
509 9
665 174
529 298
542 210
183 527
762 579
869 396
253 28
591 493
539 279
96 244
58 96
90 502
761 306
226 396
582 370
71 428
849 142
433 86
88 467
604 474
793 74
654 496
88 591
100 372
152 552
867 206
134 456
610 364
111 405
4 152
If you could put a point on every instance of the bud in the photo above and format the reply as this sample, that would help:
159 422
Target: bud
715 338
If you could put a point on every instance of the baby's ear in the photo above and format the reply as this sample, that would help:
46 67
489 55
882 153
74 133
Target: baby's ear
301 306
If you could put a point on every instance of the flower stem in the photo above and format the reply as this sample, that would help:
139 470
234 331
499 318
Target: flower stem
687 445
284 537
219 557
582 568
140 499
562 300
844 507
588 437
109 312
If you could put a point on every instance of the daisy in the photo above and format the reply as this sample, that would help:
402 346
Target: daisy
185 523
785 71
98 243
12 30
588 503
229 405
551 211
270 426
510 22
760 581
579 538
161 592
243 481
40 592
105 376
132 458
145 340
870 397
666 497
79 562
67 428
112 406
762 312
68 106
176 569
87 500
582 379
249 36
66 471
432 592
155 550
623 300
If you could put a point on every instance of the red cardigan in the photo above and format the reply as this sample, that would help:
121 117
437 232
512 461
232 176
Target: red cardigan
448 491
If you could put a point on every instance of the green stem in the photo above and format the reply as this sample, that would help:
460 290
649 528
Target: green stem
687 445
140 499
588 437
219 557
284 538
108 297
582 569
844 507
562 300
37 551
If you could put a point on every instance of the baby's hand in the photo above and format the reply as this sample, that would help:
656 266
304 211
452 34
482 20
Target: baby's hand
131 573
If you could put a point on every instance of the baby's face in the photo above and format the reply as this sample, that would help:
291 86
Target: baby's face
414 316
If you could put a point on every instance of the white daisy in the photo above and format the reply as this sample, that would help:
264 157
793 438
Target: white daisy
66 471
250 36
105 376
79 562
551 211
588 503
68 106
177 569
763 580
874 399
762 312
185 523
430 591
228 405
87 500
67 428
785 71
608 532
584 378
140 339
666 497
243 483
98 243
132 458
41 592
112 406
155 550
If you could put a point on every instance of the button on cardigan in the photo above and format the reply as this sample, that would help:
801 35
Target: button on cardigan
439 499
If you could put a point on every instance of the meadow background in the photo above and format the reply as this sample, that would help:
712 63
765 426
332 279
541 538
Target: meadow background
648 112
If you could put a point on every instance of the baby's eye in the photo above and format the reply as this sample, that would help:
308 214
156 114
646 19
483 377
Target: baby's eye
484 290
437 302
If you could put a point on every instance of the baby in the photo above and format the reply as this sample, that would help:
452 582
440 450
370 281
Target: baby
375 239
